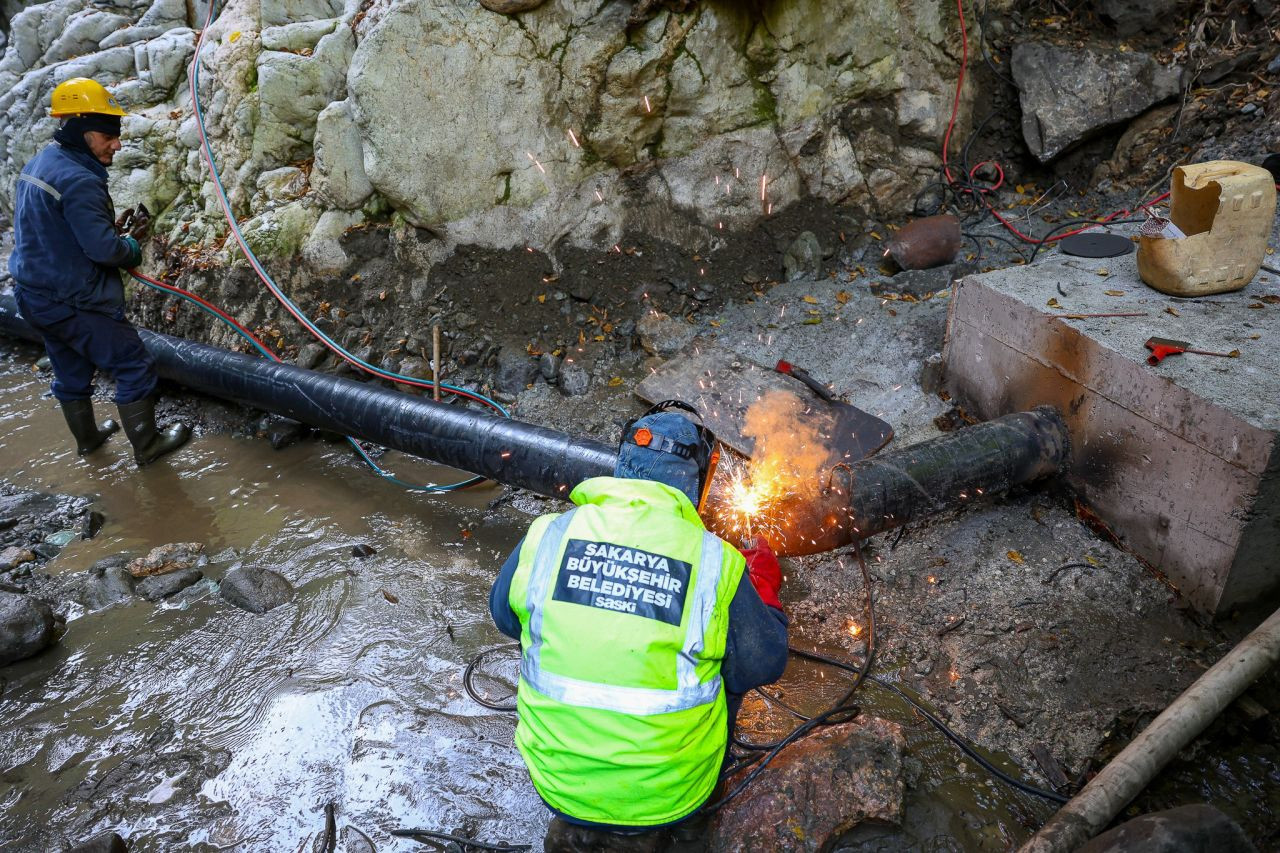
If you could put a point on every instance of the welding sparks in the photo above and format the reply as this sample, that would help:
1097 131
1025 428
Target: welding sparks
599 195
764 182
573 138
647 107
529 154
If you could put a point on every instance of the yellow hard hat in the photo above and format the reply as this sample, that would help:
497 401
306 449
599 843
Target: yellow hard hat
80 95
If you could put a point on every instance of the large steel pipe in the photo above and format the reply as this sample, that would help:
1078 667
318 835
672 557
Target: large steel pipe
894 488
519 454
868 497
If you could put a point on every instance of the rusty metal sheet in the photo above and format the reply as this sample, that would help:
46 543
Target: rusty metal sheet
722 384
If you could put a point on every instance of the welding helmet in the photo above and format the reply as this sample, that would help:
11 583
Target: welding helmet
82 96
669 448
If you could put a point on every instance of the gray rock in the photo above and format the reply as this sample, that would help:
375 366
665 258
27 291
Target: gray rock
255 589
157 587
549 366
338 174
1130 17
108 585
107 842
818 789
663 335
1068 94
511 7
574 379
281 431
804 258
516 369
920 283
1196 828
310 356
92 524
26 627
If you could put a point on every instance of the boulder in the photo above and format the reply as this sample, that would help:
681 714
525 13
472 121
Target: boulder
338 174
804 258
664 335
157 587
173 557
108 582
1195 828
818 789
26 627
573 379
1070 93
255 589
516 369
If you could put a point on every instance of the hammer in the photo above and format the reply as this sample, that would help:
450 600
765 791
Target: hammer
1162 347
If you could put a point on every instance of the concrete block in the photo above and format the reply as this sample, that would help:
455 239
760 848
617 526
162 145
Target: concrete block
1181 460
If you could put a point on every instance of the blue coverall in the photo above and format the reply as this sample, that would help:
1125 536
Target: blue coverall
65 265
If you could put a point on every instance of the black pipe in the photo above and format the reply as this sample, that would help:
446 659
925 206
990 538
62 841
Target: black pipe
863 499
532 457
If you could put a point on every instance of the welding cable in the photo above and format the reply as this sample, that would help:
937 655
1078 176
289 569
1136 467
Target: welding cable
206 150
214 310
426 836
469 674
942 727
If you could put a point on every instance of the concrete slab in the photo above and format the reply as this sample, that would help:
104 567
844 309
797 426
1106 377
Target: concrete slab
1182 459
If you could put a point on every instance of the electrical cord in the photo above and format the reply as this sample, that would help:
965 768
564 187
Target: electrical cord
432 835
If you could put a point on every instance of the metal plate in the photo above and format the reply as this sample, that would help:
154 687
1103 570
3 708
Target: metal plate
1096 245
722 384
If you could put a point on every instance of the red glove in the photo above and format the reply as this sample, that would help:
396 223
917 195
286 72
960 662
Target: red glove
764 571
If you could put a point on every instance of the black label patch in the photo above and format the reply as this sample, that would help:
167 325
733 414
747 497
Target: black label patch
625 580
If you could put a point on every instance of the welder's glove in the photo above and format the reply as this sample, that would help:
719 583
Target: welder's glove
135 253
764 571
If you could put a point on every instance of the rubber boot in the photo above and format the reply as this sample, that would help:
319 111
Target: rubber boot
149 443
88 432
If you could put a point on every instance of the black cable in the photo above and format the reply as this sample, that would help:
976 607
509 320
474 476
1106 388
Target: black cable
1017 250
458 839
469 673
946 730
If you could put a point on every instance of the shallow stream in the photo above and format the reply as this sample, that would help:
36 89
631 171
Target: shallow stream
192 725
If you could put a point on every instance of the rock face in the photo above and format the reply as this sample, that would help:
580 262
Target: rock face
256 590
26 627
561 123
818 789
173 557
1186 829
1069 93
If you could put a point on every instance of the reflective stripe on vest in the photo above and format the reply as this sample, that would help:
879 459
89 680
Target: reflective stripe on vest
36 182
689 693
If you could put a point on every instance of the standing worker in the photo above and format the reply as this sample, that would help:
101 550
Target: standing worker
639 632
65 265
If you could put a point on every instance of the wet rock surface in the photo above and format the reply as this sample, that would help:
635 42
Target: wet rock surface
107 842
255 589
1189 829
26 627
157 587
173 557
818 789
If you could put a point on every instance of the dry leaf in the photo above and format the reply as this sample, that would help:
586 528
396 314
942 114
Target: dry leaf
811 300
842 297
542 297
389 597
1091 561
1173 311
1115 293
1235 353
1270 299
615 382
812 321
876 236
1103 271
1015 556
1053 303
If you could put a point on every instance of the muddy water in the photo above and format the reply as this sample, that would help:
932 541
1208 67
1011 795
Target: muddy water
193 725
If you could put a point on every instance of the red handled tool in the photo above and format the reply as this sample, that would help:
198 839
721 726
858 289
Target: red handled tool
803 375
1161 348
855 434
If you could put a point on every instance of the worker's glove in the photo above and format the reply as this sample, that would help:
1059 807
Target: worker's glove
764 571
135 253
